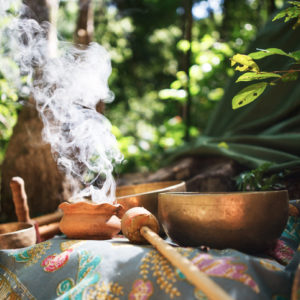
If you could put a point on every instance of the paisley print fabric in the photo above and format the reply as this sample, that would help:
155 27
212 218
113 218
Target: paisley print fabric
226 267
116 269
141 290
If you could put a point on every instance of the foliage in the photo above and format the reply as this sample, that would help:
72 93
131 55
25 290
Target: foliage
8 113
259 180
289 13
150 82
147 45
8 93
246 63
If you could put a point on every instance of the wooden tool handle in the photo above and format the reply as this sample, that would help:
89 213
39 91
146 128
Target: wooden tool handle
49 218
49 230
191 272
20 199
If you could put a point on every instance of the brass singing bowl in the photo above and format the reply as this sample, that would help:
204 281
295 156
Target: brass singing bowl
146 195
17 235
250 222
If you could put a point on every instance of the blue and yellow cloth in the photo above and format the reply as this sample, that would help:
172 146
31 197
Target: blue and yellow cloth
115 269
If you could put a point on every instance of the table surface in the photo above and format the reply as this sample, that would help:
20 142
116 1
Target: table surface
61 268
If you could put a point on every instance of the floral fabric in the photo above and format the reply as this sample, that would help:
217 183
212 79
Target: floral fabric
116 269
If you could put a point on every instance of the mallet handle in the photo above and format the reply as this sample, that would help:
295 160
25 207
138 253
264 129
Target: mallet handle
49 230
20 199
191 272
49 218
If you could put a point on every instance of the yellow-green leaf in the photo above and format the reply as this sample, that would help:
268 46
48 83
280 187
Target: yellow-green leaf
249 76
223 145
267 52
245 62
297 3
248 94
289 13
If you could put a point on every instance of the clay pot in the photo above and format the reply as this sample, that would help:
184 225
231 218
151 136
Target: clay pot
85 220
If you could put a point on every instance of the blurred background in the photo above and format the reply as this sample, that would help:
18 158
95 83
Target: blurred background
170 70
170 66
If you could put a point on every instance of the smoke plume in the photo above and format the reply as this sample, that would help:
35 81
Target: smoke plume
66 89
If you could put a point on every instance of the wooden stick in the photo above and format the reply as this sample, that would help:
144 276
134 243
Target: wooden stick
20 199
21 206
199 279
17 186
48 231
49 218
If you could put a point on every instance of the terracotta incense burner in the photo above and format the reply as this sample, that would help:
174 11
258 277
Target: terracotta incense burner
86 220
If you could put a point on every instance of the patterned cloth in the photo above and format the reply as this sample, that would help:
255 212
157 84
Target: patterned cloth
115 269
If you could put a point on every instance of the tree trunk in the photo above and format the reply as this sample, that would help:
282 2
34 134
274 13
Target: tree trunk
27 155
85 23
188 5
84 33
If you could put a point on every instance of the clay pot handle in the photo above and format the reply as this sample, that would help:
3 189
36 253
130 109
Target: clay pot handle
20 199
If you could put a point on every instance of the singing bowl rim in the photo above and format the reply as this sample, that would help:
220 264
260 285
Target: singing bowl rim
17 238
189 194
28 228
168 185
217 196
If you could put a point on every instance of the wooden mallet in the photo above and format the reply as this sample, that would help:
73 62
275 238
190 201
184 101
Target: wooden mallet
17 186
140 226
46 226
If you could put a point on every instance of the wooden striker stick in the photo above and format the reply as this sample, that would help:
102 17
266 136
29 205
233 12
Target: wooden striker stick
49 230
50 221
20 199
191 272
49 218
140 226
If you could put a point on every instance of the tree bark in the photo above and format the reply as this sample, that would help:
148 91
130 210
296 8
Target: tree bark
27 155
84 33
188 5
85 23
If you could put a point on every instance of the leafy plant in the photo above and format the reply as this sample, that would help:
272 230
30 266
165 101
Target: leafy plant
290 13
8 113
246 63
258 180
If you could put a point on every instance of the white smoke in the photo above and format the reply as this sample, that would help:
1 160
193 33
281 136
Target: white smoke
66 89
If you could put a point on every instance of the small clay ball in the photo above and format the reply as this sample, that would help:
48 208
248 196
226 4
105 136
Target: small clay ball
133 220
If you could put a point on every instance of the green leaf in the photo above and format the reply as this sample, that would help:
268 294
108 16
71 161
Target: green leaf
296 55
279 15
297 3
248 94
289 13
246 63
267 52
249 76
290 76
